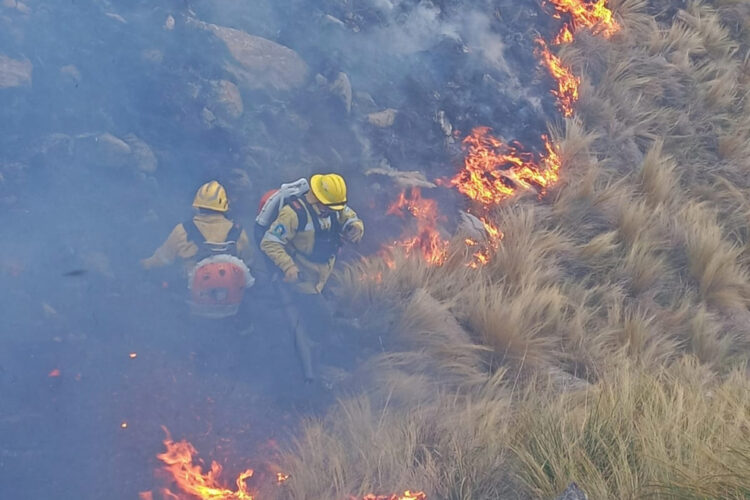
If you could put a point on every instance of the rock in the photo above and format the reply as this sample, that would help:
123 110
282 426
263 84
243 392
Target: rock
19 6
445 125
342 88
321 80
383 118
404 179
104 149
263 64
471 227
14 73
116 17
144 157
329 20
364 103
572 492
226 101
71 73
169 23
208 117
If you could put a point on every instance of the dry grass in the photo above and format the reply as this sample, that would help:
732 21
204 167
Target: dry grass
608 339
640 435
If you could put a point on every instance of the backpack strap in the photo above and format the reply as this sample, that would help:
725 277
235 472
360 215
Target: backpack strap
234 233
298 206
193 233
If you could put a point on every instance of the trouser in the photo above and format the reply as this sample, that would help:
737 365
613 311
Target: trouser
309 319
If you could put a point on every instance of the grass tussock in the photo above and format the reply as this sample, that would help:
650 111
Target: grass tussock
607 340
640 435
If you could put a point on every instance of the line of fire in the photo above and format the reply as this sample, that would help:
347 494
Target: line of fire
493 172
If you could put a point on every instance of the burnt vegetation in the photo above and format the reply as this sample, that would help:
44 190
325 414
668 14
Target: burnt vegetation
606 342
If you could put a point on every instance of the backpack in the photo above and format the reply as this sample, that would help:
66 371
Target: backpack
218 280
327 242
207 249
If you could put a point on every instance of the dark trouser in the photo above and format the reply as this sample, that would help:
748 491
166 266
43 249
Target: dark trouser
309 319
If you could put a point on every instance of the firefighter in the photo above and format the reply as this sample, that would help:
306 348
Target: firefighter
215 251
302 242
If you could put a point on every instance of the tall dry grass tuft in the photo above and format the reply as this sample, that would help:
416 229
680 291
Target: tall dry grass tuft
638 257
712 261
529 252
638 435
455 449
658 176
522 325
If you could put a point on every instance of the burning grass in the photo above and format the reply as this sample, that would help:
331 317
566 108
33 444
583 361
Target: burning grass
610 326
605 337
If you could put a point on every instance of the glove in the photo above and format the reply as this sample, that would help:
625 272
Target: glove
291 275
354 232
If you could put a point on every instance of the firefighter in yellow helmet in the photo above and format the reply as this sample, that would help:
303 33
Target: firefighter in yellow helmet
303 242
208 226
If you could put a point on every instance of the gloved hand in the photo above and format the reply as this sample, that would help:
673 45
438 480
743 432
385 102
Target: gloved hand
354 231
291 275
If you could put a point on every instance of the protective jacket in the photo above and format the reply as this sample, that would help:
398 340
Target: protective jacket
312 247
213 227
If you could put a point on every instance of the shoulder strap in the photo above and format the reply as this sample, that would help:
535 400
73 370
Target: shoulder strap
299 208
193 233
234 233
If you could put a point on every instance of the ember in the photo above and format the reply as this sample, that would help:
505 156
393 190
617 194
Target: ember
281 477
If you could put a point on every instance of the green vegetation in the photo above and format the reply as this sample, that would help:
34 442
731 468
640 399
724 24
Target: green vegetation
606 343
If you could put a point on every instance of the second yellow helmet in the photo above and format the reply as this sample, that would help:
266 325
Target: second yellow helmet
212 196
330 190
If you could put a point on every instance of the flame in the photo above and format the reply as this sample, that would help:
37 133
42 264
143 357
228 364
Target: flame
567 82
427 240
488 247
495 171
591 15
565 36
191 481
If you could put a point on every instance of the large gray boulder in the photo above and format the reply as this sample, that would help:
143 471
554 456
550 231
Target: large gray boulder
260 63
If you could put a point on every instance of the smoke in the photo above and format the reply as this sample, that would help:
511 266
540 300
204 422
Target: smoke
130 106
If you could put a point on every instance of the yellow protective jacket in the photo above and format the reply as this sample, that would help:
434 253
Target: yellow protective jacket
288 245
213 227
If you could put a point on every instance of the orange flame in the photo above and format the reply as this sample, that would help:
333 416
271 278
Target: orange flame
427 239
591 15
565 36
191 481
488 247
567 82
495 171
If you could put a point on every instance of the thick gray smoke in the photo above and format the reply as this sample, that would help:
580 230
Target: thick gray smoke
113 113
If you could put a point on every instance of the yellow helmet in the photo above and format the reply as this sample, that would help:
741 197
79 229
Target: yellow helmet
212 196
330 190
